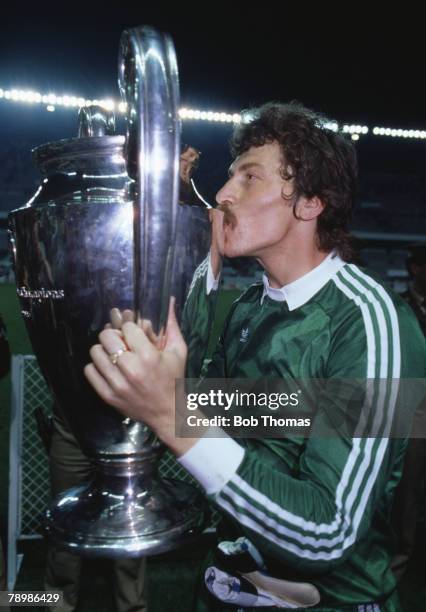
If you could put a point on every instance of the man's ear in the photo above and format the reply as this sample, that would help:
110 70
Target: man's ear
308 209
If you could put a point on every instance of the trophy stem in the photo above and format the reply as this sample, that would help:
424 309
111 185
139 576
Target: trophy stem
98 234
126 510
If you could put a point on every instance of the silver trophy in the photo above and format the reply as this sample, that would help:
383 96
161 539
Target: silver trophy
100 233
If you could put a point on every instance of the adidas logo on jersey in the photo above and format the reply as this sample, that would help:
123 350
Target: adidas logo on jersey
244 334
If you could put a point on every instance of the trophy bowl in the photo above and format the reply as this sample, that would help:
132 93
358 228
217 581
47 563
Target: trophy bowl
99 233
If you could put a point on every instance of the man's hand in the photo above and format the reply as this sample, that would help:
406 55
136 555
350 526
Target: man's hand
119 317
141 381
218 240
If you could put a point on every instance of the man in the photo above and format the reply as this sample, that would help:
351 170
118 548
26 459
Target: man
316 509
68 468
4 370
416 294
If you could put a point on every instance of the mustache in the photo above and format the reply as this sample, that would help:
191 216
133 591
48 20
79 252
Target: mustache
228 216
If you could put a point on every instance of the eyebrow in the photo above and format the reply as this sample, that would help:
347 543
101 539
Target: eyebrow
244 167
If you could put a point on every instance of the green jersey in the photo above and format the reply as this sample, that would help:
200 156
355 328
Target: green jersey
317 508
197 318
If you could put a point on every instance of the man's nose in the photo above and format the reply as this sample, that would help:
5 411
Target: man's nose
226 194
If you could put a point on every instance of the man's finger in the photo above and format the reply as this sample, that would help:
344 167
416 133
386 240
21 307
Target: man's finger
102 362
137 341
146 325
112 340
116 318
174 338
128 315
100 385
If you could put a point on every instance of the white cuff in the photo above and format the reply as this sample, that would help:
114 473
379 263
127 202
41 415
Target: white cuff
213 461
212 283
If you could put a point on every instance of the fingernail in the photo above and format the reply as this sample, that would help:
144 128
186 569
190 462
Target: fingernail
116 318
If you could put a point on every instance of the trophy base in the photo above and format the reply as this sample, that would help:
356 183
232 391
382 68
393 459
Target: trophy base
96 521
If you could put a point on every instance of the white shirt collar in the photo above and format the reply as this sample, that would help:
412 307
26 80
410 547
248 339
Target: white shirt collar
304 288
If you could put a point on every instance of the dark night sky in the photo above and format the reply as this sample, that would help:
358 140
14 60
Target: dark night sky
354 72
347 66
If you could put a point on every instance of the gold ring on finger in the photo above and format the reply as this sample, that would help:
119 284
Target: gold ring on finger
114 357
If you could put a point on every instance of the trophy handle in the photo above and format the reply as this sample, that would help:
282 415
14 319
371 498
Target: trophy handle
95 121
149 85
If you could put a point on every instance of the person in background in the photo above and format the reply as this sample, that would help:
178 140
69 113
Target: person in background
410 494
4 370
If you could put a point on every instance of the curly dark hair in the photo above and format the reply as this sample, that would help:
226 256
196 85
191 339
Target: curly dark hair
322 162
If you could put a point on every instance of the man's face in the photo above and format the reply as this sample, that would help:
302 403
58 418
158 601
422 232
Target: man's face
257 217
